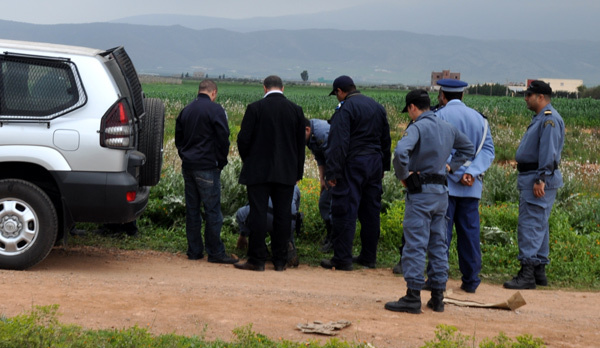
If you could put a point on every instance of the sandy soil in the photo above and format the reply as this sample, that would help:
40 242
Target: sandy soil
166 293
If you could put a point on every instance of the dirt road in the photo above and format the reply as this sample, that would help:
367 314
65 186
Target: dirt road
166 293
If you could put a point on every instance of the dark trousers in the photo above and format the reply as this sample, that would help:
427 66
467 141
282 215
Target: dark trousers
258 197
463 213
357 195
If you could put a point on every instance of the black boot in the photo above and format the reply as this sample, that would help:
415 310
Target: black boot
437 300
411 303
539 273
327 244
524 279
398 267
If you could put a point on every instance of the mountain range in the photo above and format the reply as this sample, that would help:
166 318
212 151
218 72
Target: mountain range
369 56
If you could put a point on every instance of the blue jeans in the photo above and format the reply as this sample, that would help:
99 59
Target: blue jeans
203 188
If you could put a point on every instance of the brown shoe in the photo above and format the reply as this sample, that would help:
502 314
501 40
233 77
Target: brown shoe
249 266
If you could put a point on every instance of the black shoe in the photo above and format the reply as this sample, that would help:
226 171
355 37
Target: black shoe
397 268
357 259
464 288
247 266
427 286
326 247
524 279
539 273
280 268
195 257
326 263
292 258
77 232
225 259
411 303
436 302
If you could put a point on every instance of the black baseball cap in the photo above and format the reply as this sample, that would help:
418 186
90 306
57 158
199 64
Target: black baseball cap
538 87
341 82
414 96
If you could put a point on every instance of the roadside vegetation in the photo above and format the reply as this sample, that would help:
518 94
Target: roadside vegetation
574 224
41 328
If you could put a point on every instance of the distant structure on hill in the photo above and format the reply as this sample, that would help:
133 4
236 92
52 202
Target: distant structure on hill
561 85
444 74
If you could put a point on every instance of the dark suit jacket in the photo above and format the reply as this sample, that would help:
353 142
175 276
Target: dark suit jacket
271 142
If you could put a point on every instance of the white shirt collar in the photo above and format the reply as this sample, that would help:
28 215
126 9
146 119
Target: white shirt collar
272 91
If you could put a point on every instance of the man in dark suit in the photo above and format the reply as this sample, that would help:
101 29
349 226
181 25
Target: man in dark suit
271 144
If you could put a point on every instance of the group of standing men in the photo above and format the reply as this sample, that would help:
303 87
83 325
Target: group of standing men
440 159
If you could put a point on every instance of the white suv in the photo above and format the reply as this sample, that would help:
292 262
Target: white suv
79 142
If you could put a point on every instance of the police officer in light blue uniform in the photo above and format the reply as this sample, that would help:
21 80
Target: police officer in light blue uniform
317 133
420 162
538 157
466 183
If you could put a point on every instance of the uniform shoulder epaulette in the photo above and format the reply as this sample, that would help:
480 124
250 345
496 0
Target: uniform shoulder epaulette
547 112
482 115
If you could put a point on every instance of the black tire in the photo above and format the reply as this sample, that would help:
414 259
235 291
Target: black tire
28 224
151 141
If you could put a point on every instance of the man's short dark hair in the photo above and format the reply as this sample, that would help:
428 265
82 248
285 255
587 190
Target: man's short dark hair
348 88
207 86
273 81
306 122
453 95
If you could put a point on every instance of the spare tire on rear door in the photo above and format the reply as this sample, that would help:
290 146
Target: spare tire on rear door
151 141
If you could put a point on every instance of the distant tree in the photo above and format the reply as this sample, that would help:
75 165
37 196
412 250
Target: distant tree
187 75
304 76
182 75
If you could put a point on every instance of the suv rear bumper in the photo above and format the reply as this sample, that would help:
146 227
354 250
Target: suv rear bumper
101 197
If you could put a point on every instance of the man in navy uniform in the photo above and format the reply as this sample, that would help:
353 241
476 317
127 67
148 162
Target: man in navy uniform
317 132
538 157
358 153
420 163
466 183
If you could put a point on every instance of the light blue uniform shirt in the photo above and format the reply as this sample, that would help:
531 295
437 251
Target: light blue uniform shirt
473 125
425 146
542 143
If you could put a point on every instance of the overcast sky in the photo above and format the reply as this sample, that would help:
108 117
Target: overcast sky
480 19
85 11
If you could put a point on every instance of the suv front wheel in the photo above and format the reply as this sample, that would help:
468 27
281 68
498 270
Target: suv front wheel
28 224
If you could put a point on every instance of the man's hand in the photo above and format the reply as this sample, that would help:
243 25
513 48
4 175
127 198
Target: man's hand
332 182
467 180
538 189
324 186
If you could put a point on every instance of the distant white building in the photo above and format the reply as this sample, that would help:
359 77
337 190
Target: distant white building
562 85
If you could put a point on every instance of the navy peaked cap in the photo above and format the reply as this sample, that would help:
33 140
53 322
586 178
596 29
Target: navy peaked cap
452 85
539 87
341 82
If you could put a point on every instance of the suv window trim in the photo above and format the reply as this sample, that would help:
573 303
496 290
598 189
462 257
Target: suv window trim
73 76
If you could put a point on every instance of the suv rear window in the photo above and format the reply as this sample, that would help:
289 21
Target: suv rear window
38 89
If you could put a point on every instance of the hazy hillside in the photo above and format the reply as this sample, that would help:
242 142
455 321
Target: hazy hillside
368 56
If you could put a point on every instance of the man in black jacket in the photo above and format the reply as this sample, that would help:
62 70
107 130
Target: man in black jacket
202 141
271 144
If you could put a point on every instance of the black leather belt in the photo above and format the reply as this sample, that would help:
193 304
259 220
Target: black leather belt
433 179
527 167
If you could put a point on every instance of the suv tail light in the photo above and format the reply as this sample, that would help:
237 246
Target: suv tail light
117 127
